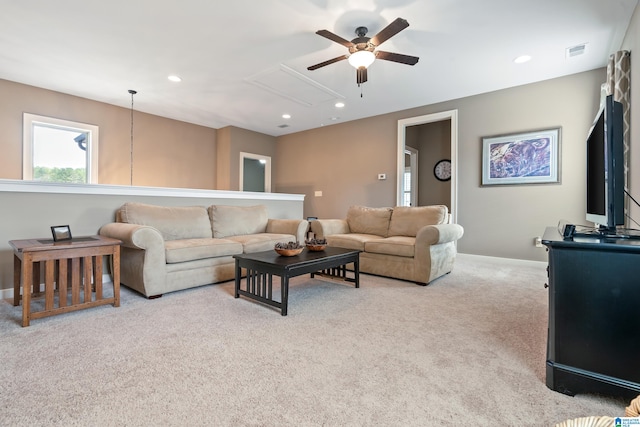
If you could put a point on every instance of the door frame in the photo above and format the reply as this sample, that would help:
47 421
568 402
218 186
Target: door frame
451 115
267 169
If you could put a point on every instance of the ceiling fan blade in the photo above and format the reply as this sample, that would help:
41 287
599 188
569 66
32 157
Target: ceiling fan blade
330 61
397 57
333 37
389 31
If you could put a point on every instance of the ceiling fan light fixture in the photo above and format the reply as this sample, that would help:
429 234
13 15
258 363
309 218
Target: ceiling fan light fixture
362 58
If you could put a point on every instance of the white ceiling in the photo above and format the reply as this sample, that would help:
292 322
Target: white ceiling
244 62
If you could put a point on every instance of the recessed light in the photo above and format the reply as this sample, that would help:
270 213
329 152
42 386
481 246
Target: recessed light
175 79
522 59
339 104
286 116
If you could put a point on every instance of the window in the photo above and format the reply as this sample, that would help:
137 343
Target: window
56 150
406 195
410 177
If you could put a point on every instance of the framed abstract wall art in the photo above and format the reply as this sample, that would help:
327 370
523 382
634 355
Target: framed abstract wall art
522 158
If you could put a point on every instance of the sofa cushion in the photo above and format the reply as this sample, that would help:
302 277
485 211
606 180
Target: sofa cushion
395 245
193 249
229 221
406 221
351 241
365 220
261 242
173 222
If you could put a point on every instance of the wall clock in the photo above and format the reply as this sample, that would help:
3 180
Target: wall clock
442 170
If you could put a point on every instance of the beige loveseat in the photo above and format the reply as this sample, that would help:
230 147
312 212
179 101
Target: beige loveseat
408 243
167 249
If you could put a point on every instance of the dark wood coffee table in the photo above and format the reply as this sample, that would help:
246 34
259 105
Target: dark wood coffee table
262 266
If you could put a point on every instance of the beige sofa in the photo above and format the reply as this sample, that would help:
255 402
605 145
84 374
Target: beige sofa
167 249
409 243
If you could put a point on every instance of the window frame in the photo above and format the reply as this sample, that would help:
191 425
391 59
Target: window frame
30 120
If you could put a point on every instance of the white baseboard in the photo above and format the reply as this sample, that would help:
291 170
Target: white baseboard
8 293
503 261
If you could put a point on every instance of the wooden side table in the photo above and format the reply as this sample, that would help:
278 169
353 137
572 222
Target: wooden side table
74 265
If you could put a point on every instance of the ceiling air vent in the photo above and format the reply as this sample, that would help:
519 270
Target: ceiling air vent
577 50
283 126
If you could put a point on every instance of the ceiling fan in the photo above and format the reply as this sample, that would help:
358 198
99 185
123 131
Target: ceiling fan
362 49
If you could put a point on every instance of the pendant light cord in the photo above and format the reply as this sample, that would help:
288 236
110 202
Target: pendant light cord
132 92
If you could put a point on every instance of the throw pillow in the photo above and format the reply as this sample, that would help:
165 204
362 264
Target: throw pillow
173 222
406 221
365 220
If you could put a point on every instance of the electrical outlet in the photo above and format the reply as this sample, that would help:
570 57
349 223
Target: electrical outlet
537 242
382 176
318 193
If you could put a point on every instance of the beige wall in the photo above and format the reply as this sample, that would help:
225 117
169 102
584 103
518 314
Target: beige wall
167 153
343 161
233 140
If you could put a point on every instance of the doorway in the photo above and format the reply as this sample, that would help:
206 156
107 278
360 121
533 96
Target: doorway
255 172
403 124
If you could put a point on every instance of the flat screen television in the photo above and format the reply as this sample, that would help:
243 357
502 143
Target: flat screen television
605 169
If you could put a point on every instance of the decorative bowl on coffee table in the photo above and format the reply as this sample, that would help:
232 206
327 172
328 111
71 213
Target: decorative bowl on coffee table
316 248
316 245
288 249
289 252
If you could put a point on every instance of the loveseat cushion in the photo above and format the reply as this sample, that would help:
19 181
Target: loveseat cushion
351 241
193 249
229 221
395 245
365 220
261 242
173 222
406 221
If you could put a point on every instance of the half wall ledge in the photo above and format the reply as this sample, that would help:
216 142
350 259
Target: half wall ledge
18 186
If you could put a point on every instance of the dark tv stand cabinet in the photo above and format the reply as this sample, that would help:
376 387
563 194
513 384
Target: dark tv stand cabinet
593 344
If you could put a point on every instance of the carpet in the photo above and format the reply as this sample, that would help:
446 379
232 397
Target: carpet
469 349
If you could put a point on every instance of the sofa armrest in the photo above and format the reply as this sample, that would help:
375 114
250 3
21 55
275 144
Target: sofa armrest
143 260
297 227
441 233
133 235
326 227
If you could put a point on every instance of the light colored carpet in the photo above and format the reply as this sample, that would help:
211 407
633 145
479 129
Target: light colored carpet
469 349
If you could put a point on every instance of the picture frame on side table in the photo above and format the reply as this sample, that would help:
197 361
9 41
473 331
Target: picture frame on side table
61 233
522 158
